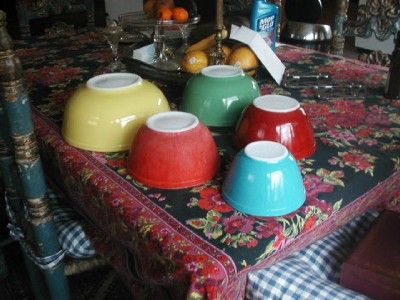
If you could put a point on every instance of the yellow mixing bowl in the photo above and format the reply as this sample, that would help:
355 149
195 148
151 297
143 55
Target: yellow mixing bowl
105 114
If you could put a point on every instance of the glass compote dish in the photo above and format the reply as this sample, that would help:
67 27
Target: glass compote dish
113 34
169 37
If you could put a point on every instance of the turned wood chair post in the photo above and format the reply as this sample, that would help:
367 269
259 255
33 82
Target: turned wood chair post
12 194
16 107
280 14
338 37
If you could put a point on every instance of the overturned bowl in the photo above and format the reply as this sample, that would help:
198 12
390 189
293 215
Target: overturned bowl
264 180
218 95
173 150
307 32
280 119
307 35
105 114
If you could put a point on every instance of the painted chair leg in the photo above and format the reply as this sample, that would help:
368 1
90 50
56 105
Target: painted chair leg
55 277
16 107
36 279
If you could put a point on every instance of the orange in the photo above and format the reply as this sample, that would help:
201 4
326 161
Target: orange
244 57
164 13
163 3
148 7
194 61
180 14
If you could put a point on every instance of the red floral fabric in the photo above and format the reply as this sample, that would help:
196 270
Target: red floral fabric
192 238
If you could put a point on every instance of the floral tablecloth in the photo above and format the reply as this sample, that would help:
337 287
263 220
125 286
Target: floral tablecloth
191 241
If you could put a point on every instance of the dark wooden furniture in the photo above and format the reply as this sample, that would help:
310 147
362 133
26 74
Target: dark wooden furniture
35 16
375 18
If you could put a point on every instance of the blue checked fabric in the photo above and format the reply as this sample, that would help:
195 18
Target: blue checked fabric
71 235
312 273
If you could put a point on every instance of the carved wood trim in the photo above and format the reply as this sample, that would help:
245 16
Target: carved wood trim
39 211
26 149
375 58
13 90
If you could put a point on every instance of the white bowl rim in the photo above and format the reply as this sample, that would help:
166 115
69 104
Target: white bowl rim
172 122
266 151
276 103
222 71
114 81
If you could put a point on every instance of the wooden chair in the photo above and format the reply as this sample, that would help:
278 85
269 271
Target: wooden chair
25 184
380 19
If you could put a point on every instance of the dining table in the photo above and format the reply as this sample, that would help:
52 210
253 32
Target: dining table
190 241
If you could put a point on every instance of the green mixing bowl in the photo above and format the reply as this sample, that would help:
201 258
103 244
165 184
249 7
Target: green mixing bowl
218 95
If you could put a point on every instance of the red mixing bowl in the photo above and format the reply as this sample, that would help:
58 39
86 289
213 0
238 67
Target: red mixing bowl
280 119
172 151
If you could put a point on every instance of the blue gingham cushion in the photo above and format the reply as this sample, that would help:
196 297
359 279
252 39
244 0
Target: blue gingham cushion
312 273
71 235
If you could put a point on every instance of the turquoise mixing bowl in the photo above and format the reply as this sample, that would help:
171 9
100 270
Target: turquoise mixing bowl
264 180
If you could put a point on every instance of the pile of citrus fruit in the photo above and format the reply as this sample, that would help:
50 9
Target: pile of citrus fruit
198 57
165 10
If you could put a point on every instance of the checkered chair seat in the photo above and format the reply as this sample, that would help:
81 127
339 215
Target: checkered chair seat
312 273
70 226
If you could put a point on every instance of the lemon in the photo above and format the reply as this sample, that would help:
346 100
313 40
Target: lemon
244 57
194 61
